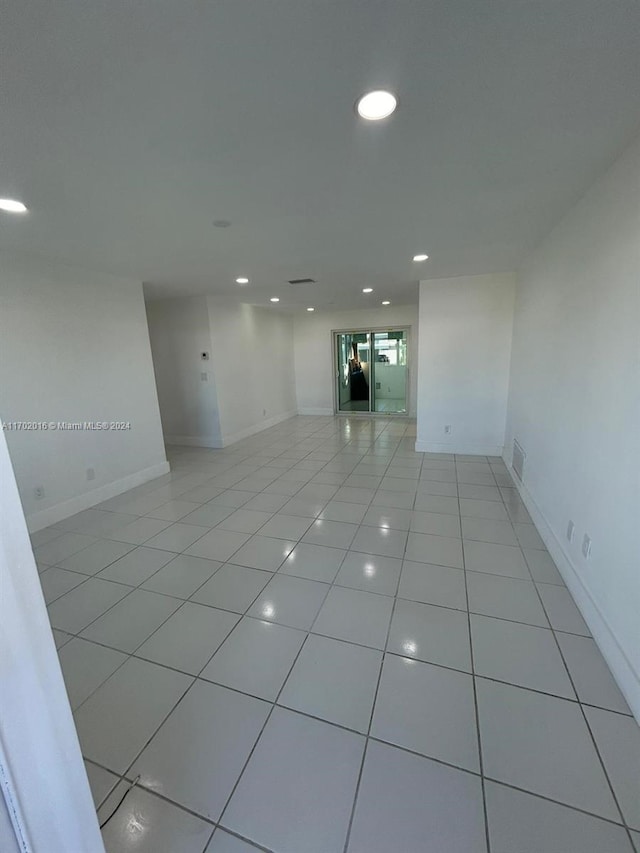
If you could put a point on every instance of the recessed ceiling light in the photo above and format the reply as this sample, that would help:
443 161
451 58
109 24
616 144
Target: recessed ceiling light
242 280
311 309
421 258
376 105
275 299
10 205
386 302
367 290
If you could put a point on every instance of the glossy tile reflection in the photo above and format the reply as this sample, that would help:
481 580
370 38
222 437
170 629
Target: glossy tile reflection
297 640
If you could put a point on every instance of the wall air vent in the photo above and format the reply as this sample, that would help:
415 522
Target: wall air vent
519 458
302 281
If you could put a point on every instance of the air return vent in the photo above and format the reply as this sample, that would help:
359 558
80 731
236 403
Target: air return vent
302 281
519 457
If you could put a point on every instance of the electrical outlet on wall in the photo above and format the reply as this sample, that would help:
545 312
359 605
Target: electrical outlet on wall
570 530
91 473
586 546
448 429
38 492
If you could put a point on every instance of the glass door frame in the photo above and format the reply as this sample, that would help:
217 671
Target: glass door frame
369 330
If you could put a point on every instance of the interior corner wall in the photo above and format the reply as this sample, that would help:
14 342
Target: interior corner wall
180 334
463 363
253 363
314 357
574 407
74 348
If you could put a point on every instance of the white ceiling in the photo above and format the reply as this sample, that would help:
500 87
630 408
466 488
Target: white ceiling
129 126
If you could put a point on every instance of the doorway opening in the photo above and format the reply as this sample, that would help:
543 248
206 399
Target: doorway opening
371 371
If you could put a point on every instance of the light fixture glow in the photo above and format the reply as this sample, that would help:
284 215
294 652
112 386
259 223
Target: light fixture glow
367 290
10 205
311 309
275 299
242 280
376 105
419 258
386 302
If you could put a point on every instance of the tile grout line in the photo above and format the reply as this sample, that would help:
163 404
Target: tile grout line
245 615
473 681
273 706
278 697
584 716
375 739
589 729
373 708
269 715
507 786
123 775
333 583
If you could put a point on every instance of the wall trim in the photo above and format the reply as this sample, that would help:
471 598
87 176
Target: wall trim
65 509
194 440
471 449
622 669
312 411
234 437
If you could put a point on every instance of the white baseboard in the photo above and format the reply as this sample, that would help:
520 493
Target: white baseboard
622 669
58 512
469 449
234 437
312 411
194 440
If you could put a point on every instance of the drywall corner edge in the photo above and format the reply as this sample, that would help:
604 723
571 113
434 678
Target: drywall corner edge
467 449
622 669
37 520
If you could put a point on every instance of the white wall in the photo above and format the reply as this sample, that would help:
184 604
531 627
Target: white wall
314 358
575 406
463 363
42 772
74 346
252 359
8 840
179 333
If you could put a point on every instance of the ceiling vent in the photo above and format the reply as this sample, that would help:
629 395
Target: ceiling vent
519 458
302 281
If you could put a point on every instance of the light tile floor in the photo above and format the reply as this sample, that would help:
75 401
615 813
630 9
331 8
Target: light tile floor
318 640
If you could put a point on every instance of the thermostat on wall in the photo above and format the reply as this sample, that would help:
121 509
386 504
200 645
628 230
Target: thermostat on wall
204 356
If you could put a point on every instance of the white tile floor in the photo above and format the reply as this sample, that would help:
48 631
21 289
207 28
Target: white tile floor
318 640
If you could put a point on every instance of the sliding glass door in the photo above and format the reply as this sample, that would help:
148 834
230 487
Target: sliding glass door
371 371
389 372
354 360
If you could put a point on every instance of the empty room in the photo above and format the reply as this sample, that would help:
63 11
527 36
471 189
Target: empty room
320 404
